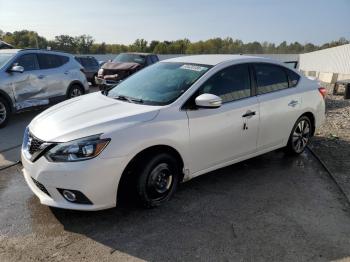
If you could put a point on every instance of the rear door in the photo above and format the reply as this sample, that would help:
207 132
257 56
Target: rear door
279 104
53 74
220 135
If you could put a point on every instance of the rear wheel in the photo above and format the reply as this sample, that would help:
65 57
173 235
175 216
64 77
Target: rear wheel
74 91
157 180
4 112
300 136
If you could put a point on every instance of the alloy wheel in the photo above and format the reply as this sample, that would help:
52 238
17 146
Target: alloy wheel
301 136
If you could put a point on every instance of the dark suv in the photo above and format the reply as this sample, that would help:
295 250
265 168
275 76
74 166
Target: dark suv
91 67
122 66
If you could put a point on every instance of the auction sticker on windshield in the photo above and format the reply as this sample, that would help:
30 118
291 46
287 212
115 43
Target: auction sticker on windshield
194 68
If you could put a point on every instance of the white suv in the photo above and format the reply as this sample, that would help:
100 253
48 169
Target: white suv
34 77
168 123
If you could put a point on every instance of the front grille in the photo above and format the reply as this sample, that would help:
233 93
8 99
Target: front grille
41 187
34 144
121 73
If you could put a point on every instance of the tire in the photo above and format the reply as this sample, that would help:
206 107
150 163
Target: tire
300 136
157 180
74 91
5 112
93 82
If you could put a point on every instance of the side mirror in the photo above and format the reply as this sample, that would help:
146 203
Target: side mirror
17 69
208 101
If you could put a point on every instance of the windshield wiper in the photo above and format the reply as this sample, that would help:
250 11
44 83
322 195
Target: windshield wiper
129 99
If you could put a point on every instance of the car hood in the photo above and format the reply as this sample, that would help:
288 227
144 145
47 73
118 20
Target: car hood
88 115
121 66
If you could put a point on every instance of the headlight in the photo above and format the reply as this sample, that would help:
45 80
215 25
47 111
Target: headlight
77 150
100 72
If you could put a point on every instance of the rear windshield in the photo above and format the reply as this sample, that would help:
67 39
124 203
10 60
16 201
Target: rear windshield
133 58
4 58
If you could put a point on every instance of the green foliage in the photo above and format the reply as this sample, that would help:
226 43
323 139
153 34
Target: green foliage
85 44
25 39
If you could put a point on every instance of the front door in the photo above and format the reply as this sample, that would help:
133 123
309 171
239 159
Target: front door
220 135
27 86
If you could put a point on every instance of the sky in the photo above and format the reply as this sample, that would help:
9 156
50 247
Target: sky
120 21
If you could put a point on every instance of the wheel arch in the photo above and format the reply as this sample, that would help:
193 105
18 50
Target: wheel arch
312 118
127 178
75 82
8 99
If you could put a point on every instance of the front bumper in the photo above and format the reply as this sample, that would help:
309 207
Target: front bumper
96 178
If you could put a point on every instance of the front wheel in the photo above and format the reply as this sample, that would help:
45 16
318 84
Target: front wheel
300 136
157 180
4 112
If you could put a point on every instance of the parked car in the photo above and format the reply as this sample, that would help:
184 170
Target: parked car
101 63
124 65
168 123
91 67
33 77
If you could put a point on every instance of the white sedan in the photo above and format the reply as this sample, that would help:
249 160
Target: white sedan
168 123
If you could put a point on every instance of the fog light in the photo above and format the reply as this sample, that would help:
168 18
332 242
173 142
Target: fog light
69 195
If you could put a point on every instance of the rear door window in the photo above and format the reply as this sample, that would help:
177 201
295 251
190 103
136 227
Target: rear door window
28 61
84 62
91 62
47 61
270 78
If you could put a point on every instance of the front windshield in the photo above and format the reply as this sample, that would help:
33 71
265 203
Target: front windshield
159 84
4 58
131 58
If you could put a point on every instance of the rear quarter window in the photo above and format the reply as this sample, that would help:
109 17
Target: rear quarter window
293 78
154 58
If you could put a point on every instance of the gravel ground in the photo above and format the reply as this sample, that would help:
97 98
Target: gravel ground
332 141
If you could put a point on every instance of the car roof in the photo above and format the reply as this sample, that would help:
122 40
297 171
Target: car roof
85 56
34 50
137 53
217 59
9 51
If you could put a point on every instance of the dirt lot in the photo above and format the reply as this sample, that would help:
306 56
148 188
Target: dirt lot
332 142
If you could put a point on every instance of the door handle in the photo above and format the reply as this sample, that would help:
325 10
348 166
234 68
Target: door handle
41 76
293 103
249 114
66 72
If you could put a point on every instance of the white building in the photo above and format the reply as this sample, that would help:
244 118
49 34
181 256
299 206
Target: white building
327 65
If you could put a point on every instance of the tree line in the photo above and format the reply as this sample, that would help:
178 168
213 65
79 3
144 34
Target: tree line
85 44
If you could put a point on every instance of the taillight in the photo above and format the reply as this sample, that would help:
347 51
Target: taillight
323 92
